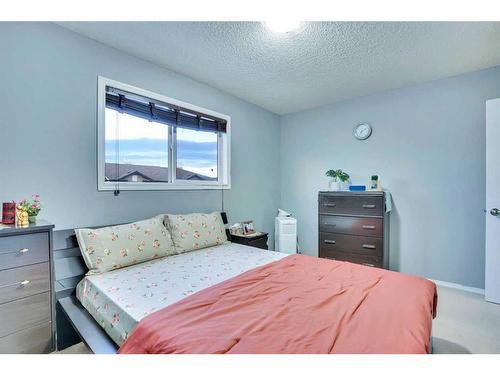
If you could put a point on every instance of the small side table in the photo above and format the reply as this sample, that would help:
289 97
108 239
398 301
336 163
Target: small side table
259 240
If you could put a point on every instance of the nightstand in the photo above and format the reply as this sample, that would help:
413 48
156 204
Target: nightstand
259 240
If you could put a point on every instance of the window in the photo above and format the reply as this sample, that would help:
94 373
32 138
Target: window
148 141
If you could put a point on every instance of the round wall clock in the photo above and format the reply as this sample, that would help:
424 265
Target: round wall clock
362 131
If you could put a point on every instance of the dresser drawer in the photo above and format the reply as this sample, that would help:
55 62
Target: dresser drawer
362 205
365 260
24 313
22 250
24 281
34 340
361 226
352 244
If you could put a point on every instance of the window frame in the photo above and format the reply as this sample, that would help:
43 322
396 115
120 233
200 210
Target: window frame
223 146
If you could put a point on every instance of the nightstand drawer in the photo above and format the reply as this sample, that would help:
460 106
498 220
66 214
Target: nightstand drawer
23 250
361 226
259 241
24 313
362 205
24 281
350 244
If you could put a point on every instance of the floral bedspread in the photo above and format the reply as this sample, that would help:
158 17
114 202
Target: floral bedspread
119 299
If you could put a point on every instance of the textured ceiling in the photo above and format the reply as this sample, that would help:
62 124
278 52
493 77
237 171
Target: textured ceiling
319 63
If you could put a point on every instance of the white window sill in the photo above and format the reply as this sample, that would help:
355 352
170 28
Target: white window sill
160 186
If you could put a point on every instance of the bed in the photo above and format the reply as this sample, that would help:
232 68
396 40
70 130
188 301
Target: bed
233 298
119 299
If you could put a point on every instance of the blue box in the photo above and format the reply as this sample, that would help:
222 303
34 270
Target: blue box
357 187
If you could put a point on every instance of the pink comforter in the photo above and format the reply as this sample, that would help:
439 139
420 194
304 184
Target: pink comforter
299 304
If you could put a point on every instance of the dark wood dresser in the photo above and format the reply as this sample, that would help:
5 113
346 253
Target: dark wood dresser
259 240
26 298
354 227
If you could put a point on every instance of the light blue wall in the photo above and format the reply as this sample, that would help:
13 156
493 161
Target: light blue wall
48 87
428 147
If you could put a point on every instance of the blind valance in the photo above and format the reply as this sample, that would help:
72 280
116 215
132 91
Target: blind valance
165 113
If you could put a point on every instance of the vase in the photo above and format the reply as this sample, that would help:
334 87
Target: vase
344 185
32 219
334 184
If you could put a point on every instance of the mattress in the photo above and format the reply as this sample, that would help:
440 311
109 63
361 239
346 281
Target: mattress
119 299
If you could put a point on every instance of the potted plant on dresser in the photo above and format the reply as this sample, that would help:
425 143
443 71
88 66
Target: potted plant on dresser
32 207
339 180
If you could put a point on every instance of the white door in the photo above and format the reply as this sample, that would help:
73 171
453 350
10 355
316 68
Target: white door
492 282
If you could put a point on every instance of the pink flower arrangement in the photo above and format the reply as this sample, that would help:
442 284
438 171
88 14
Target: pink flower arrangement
32 206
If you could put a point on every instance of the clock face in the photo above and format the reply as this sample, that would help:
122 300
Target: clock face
362 131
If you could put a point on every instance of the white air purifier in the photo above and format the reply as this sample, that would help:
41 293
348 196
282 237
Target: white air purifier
285 234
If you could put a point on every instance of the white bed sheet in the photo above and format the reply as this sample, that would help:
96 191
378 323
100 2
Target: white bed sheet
119 299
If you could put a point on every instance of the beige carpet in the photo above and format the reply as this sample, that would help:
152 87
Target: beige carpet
465 324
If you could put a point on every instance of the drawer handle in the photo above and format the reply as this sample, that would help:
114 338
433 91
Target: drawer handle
329 225
369 227
329 241
369 264
20 252
368 206
329 204
368 246
21 284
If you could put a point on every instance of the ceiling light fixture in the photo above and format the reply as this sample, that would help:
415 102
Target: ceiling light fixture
282 25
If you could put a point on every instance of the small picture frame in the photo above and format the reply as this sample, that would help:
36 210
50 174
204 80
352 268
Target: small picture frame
248 227
236 229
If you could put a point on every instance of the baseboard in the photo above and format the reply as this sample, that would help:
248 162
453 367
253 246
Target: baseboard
459 286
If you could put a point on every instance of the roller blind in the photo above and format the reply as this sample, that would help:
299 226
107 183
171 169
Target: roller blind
165 113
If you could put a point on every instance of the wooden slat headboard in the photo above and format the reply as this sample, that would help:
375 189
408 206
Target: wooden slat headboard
69 267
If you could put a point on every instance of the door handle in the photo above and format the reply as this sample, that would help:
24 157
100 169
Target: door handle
495 212
368 246
329 241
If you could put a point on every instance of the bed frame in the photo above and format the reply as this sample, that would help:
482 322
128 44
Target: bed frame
74 324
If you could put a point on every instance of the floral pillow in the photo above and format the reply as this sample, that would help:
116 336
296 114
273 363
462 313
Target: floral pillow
196 231
114 247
